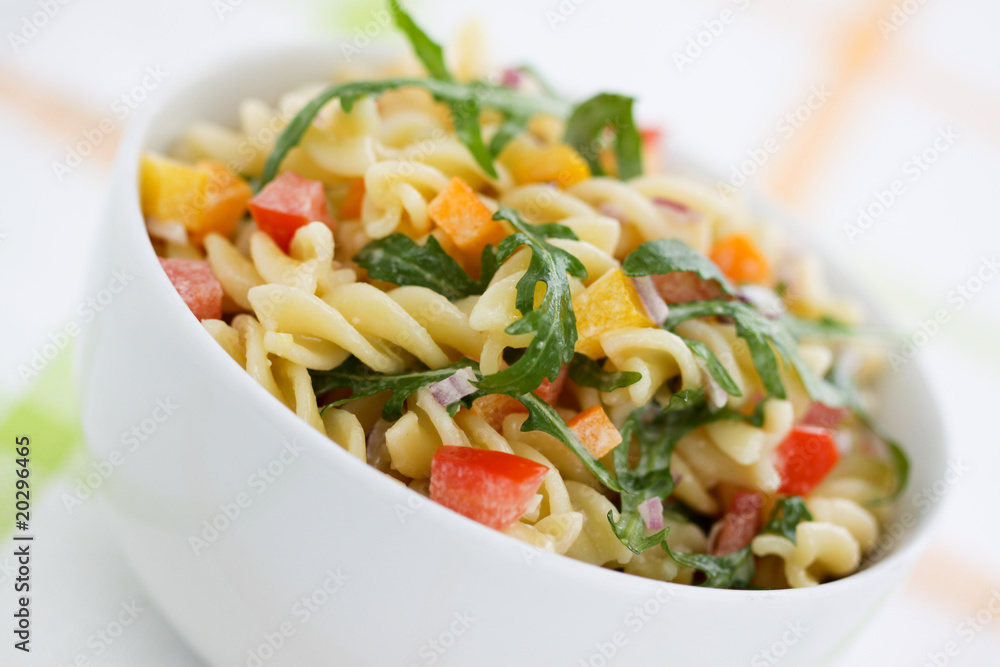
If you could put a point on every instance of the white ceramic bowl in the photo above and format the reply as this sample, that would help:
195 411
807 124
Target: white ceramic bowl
325 561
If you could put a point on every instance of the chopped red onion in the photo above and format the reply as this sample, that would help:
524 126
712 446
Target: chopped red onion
171 231
511 77
717 396
651 511
454 387
763 299
655 305
612 210
375 450
663 202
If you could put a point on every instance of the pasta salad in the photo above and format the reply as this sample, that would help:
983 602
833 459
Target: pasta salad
498 298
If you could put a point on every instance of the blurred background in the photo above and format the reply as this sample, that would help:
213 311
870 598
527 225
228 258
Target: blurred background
875 122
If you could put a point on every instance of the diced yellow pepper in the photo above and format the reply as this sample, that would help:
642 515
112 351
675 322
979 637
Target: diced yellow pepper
556 163
610 303
204 198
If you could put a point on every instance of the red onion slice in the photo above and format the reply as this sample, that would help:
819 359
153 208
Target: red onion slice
677 207
763 299
655 305
717 396
511 77
375 451
454 387
651 511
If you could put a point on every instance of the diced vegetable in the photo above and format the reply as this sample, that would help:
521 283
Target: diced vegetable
493 488
824 416
739 525
804 459
656 307
651 511
453 388
652 146
686 286
741 260
552 163
194 281
350 208
494 408
593 428
610 303
287 203
549 391
205 198
458 211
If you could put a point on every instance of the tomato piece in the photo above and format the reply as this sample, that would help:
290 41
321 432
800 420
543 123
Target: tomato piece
741 260
824 416
458 211
493 488
494 408
549 391
739 525
194 281
287 203
685 286
595 431
804 459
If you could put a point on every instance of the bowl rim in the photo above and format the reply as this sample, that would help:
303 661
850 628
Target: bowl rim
131 226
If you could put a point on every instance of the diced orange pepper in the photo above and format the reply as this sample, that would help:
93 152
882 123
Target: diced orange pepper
494 408
551 163
595 431
204 198
741 260
610 303
226 197
350 208
458 210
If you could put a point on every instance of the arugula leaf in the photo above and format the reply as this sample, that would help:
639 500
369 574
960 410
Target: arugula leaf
787 514
734 570
840 377
512 126
543 417
399 259
552 323
715 367
427 50
464 100
669 256
828 329
760 334
656 436
586 372
630 530
589 120
363 382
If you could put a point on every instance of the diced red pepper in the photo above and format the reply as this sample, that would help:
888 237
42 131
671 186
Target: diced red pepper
685 286
493 488
824 416
804 459
597 433
194 281
494 408
549 391
739 525
287 203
